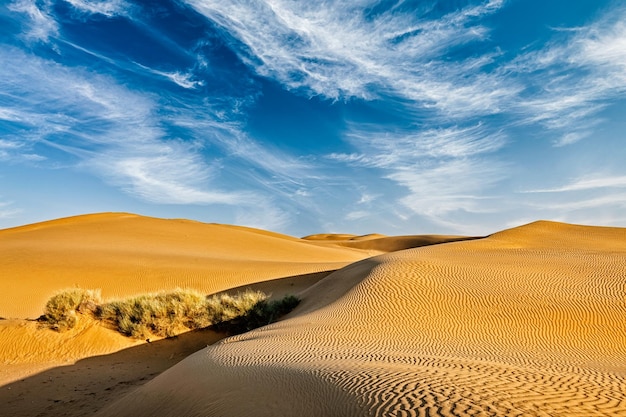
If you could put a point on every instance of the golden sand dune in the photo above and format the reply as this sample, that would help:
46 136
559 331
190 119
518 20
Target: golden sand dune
125 254
80 370
527 322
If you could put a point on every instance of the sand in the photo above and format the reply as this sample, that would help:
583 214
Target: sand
124 254
528 322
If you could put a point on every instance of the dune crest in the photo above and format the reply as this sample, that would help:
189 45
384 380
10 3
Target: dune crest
526 322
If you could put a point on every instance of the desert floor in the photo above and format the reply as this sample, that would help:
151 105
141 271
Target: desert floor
529 321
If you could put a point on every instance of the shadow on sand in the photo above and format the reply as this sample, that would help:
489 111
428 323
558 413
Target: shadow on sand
84 387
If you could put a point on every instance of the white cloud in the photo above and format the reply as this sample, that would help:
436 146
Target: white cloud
42 26
389 149
107 8
265 215
230 137
587 183
357 215
444 170
367 198
572 81
124 137
572 137
14 152
185 80
6 211
339 52
113 131
447 187
585 203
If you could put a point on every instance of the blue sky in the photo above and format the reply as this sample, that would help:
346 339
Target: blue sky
396 117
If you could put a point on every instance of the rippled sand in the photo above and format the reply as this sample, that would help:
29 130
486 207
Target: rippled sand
529 321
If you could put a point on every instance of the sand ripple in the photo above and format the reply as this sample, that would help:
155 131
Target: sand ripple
527 322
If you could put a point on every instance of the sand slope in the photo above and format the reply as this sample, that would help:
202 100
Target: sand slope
527 322
125 254
43 372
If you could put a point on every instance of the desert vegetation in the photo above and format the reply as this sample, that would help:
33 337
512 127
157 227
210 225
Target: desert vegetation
165 314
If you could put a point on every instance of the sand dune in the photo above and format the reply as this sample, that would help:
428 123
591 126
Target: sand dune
381 243
529 321
125 254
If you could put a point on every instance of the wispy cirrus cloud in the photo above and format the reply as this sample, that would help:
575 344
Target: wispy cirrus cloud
128 139
40 24
571 80
342 51
587 183
106 8
584 203
444 170
90 119
7 210
591 199
185 80
153 146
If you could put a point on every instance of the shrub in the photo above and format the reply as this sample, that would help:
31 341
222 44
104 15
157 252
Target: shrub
167 314
161 314
262 313
60 310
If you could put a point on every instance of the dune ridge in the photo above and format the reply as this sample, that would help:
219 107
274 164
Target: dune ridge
381 243
528 321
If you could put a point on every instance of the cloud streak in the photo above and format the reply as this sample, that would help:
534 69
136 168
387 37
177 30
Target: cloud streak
570 82
444 170
106 8
584 184
340 51
6 211
90 119
41 26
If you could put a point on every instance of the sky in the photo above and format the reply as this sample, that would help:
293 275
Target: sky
300 117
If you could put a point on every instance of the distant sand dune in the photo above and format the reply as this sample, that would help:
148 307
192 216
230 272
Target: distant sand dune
526 322
382 243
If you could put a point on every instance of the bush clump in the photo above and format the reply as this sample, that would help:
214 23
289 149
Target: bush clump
262 313
60 312
166 314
